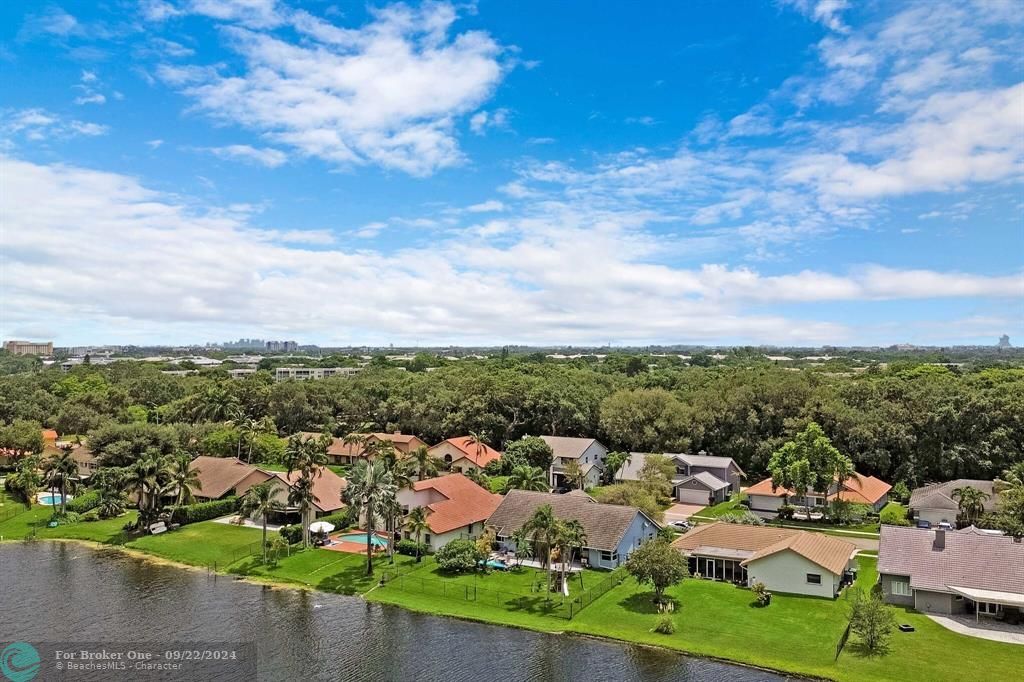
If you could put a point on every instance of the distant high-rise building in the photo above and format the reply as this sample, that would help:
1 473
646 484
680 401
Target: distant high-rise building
285 346
1004 342
29 347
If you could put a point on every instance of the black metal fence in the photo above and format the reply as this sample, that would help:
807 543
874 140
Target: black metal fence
538 601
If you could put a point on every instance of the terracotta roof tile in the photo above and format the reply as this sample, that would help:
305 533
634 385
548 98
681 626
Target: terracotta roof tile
857 488
218 475
327 487
480 454
465 502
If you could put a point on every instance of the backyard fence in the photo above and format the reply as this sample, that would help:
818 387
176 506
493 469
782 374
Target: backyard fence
842 641
8 514
544 603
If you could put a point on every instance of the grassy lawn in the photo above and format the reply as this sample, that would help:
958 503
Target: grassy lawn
796 634
322 569
722 508
870 528
108 531
201 544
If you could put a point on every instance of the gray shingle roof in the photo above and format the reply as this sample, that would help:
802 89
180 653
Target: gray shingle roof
965 559
940 495
605 524
565 446
708 461
709 481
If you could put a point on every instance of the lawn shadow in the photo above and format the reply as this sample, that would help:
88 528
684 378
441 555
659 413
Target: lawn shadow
349 580
640 602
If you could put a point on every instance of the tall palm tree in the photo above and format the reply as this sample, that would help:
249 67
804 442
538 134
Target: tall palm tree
526 477
426 465
416 523
215 404
971 502
572 538
308 457
182 479
61 475
370 488
255 427
477 442
259 502
1012 479
543 529
402 477
147 478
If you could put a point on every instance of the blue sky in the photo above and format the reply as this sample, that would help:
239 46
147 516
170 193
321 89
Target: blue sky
797 172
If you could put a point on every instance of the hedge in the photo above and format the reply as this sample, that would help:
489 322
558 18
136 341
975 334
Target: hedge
408 547
204 511
83 503
293 532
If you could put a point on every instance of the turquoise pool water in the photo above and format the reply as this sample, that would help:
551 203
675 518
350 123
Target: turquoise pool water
494 563
361 539
50 498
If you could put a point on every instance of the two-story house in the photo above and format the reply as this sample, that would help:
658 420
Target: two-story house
456 508
587 452
699 479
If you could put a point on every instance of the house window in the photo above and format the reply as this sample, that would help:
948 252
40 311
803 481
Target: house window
901 588
426 538
609 557
813 578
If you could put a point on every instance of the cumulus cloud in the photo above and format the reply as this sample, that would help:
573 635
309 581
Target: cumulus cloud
266 156
387 93
40 125
574 276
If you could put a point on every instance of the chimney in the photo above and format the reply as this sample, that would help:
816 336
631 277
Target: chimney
939 543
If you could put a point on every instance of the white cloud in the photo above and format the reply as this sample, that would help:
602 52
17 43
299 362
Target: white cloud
266 156
482 120
489 206
40 125
573 275
387 93
95 98
52 21
154 144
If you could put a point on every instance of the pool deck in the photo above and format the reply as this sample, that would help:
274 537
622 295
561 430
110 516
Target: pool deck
338 545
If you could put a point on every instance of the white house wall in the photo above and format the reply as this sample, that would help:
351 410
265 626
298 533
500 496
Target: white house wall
786 572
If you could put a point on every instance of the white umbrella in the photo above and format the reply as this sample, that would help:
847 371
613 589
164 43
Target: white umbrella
321 527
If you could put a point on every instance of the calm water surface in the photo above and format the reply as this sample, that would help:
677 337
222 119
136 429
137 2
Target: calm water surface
62 592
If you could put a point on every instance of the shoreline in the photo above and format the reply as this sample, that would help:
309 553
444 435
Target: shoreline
271 583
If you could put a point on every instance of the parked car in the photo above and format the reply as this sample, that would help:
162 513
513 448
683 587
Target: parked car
682 526
561 491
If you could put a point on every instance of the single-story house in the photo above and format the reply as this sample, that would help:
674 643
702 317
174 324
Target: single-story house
223 476
784 559
935 503
341 452
700 479
613 531
462 454
588 452
86 460
858 489
951 572
456 508
328 487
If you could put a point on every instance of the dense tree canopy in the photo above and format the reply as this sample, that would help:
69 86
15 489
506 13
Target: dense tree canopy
911 421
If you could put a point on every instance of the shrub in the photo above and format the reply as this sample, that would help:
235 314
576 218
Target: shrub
743 518
84 502
901 492
458 556
340 520
91 515
292 533
666 625
894 515
408 547
67 517
761 593
204 511
786 511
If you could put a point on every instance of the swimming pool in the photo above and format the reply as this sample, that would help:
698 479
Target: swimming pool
494 563
50 499
361 539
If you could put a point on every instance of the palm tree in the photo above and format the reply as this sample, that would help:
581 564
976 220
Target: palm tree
26 480
542 529
526 477
148 479
369 489
250 428
110 481
401 476
61 474
1012 479
572 537
182 479
574 474
476 441
971 502
307 456
416 524
259 502
215 404
426 464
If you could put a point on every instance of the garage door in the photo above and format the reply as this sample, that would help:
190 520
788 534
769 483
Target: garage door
692 496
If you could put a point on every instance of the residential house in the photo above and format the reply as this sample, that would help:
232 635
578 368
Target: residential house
327 491
612 531
456 508
951 572
858 489
935 504
587 452
220 477
9 456
462 454
341 452
86 460
699 479
784 559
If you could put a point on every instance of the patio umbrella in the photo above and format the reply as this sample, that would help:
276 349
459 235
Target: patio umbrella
321 527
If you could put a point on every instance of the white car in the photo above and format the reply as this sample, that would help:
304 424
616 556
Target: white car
682 526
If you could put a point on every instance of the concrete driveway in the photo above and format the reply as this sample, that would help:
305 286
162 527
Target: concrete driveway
983 629
681 512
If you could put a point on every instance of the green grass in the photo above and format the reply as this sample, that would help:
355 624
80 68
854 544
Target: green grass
732 505
795 634
201 544
35 520
869 528
322 569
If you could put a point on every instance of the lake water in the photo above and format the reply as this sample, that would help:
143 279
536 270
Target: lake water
52 592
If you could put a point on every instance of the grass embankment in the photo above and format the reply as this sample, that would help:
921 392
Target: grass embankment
734 506
321 569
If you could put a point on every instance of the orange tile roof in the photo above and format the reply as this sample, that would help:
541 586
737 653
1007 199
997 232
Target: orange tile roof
50 435
465 502
479 454
327 487
829 552
857 488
